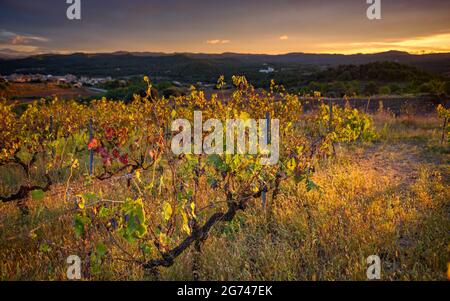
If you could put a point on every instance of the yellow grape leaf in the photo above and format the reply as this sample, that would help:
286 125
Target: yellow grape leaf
244 115
167 211
292 164
138 175
81 202
288 126
75 164
186 227
193 209
163 239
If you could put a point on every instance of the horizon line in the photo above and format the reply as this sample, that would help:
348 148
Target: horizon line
21 55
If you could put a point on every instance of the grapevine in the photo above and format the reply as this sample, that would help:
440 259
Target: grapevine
173 201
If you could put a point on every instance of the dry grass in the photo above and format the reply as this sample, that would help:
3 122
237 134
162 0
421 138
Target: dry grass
390 198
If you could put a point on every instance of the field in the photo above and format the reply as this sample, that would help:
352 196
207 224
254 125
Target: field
27 92
371 184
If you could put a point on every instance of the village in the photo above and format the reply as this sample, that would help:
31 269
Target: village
74 81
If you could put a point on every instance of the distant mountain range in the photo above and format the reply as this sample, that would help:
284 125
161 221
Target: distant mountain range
131 63
9 54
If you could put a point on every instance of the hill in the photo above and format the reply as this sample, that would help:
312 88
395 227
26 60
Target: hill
203 66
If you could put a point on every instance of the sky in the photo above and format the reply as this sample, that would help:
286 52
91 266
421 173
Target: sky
211 26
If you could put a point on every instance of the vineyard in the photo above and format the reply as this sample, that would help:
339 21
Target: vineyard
100 181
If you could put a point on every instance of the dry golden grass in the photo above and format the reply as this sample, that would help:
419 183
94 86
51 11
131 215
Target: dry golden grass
390 198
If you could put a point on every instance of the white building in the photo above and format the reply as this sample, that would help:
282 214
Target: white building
267 71
70 78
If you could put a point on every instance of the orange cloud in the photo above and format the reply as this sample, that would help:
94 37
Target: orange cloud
217 42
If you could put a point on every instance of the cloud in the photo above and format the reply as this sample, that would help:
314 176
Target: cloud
213 42
20 40
284 38
12 38
23 44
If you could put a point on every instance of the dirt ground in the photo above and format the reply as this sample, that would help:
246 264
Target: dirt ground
25 92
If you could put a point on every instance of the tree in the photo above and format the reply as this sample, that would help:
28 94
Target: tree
385 90
370 89
437 87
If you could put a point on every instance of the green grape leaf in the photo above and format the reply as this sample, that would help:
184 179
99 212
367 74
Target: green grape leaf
89 196
37 195
135 222
104 212
79 224
146 248
218 163
100 249
45 248
310 185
